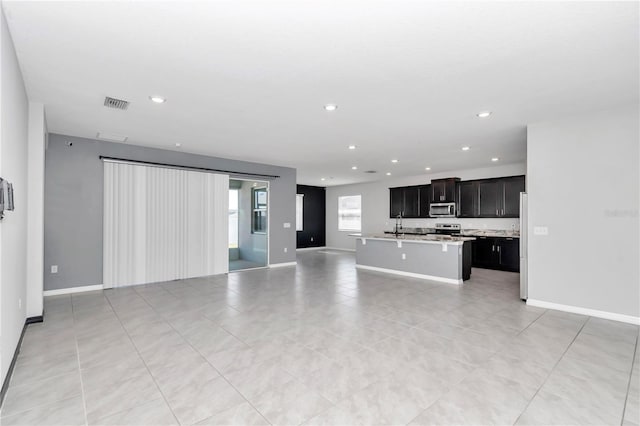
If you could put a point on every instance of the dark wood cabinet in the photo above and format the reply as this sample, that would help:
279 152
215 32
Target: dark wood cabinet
468 199
489 198
396 196
425 200
512 187
508 254
485 198
444 190
483 252
496 253
411 201
404 201
500 197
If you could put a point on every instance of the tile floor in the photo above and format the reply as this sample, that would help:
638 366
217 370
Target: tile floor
321 343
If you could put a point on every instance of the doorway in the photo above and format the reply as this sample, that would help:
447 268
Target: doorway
248 224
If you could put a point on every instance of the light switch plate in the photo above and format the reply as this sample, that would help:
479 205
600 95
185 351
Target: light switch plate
287 225
540 230
54 269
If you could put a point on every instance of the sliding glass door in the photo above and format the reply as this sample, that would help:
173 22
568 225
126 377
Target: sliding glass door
251 219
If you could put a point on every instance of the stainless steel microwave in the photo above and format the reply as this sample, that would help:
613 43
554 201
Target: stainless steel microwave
442 209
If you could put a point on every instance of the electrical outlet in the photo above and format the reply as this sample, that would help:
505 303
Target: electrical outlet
54 269
404 256
19 303
311 239
285 249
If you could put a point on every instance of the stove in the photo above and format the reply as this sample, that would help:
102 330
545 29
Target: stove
448 228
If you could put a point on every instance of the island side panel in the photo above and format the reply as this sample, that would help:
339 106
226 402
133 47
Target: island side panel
421 258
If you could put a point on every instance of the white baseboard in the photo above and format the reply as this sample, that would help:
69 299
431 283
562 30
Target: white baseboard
584 311
280 265
340 249
311 248
71 290
411 274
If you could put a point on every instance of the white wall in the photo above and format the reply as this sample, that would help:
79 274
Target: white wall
375 204
13 228
583 186
35 221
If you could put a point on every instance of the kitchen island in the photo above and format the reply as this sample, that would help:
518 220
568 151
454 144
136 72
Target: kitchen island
437 258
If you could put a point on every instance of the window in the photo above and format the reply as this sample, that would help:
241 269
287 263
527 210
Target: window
259 211
350 213
233 218
299 211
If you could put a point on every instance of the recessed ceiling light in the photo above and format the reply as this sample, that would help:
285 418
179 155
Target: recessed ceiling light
352 147
465 148
494 159
322 179
427 168
331 107
178 145
394 161
354 168
388 173
157 99
484 114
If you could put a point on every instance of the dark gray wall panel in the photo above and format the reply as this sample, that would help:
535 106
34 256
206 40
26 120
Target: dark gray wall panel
314 217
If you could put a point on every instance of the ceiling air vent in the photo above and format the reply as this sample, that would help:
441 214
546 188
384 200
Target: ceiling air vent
115 103
113 137
371 171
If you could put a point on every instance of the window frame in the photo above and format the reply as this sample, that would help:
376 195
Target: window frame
340 215
237 230
300 214
259 207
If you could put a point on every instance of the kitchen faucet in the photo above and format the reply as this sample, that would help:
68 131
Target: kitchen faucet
398 224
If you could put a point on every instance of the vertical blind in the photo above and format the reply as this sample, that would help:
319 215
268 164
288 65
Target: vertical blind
163 224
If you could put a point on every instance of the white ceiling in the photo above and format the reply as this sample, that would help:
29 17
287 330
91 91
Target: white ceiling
248 80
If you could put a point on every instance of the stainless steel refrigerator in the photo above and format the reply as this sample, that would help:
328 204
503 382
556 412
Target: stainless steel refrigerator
523 246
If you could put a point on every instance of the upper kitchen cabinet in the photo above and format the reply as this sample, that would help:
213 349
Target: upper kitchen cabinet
425 200
489 195
500 197
444 190
404 201
513 186
468 199
396 198
411 201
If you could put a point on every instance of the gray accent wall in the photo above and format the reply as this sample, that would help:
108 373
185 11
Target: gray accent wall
74 204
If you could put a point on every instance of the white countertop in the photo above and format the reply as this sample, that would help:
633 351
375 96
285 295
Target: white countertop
423 239
490 233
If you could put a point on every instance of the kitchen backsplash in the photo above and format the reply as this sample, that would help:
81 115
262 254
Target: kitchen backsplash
505 224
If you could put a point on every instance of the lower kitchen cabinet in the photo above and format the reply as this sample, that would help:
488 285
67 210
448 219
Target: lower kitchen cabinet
497 253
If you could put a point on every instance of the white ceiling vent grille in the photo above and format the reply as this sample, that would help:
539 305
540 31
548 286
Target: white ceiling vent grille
113 137
115 103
